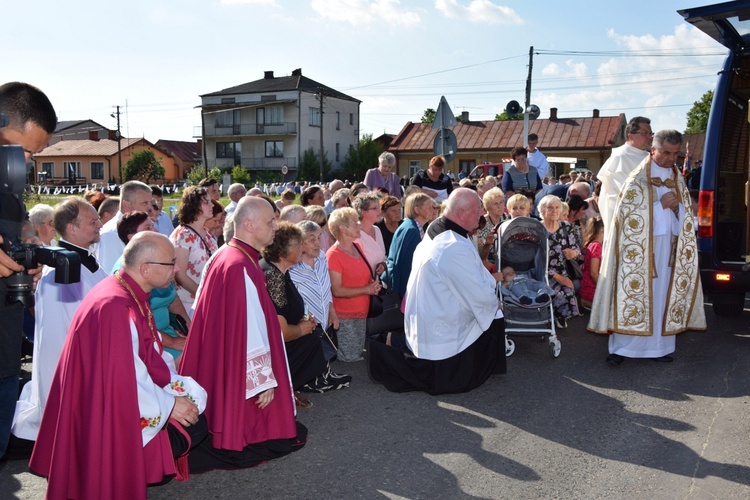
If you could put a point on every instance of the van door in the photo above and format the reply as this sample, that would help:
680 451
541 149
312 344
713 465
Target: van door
723 218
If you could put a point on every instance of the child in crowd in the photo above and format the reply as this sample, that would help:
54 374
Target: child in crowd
518 205
523 290
592 261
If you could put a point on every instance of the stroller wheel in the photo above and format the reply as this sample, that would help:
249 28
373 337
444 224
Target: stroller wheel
510 346
554 348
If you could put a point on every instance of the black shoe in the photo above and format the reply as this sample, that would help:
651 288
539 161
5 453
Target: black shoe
664 359
525 300
542 299
615 360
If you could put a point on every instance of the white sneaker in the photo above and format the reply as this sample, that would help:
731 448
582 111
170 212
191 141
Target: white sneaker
561 323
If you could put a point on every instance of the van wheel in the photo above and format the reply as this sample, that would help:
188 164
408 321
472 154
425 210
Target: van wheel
732 305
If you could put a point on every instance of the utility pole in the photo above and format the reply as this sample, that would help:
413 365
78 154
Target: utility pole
119 138
321 95
528 100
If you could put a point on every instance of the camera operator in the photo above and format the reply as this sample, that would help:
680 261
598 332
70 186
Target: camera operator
31 122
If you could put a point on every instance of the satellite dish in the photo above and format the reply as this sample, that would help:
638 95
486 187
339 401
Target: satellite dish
533 112
513 108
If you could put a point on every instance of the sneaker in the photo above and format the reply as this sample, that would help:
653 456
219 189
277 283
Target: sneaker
561 323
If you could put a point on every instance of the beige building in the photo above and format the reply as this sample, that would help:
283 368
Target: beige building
267 123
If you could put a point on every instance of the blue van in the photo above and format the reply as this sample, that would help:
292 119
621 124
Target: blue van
723 212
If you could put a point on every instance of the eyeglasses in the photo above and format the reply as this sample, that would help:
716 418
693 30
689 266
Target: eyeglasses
174 261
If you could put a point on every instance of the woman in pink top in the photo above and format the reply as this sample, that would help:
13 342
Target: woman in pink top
593 260
370 238
351 284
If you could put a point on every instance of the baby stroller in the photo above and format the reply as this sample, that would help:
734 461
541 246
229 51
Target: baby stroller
522 244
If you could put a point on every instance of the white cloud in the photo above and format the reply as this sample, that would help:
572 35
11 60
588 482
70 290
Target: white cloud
667 74
363 12
478 11
552 69
249 2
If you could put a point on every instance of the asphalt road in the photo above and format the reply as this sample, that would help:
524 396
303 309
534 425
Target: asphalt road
571 427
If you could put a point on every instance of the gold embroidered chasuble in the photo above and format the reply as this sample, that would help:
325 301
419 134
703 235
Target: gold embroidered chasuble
624 301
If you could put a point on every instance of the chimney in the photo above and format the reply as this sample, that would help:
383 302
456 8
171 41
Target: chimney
596 113
297 72
553 113
267 75
93 135
112 135
464 117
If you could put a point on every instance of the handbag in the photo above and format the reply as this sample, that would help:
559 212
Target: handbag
178 323
376 301
571 265
328 339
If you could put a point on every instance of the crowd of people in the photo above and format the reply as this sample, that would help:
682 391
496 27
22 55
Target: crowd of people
190 343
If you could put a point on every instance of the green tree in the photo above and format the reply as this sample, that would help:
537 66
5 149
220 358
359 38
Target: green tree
428 116
198 171
697 117
240 175
505 116
362 158
309 168
143 166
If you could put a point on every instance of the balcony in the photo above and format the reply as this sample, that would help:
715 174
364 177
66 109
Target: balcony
250 129
261 163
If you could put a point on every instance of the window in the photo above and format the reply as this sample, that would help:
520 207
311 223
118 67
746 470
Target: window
466 166
270 116
414 167
315 117
338 120
228 118
338 151
351 118
227 100
229 150
49 168
97 170
274 149
72 168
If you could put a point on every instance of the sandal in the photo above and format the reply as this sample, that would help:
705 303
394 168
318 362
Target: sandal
301 401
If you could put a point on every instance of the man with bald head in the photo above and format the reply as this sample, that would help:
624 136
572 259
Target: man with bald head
134 195
453 321
116 402
236 351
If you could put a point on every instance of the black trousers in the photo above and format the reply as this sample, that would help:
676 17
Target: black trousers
306 359
401 371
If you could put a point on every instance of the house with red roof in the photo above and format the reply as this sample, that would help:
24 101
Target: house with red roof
95 161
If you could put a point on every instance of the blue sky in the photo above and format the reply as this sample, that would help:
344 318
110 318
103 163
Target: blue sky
155 58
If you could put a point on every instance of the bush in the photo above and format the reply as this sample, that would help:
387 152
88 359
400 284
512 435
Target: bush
240 175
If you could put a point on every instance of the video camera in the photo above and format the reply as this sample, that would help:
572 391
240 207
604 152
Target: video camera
67 264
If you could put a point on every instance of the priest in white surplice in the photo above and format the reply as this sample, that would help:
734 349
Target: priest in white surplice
649 285
623 161
453 324
78 223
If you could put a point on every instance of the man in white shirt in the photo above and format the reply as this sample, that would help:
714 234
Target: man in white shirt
624 159
536 157
454 327
235 192
164 222
134 195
